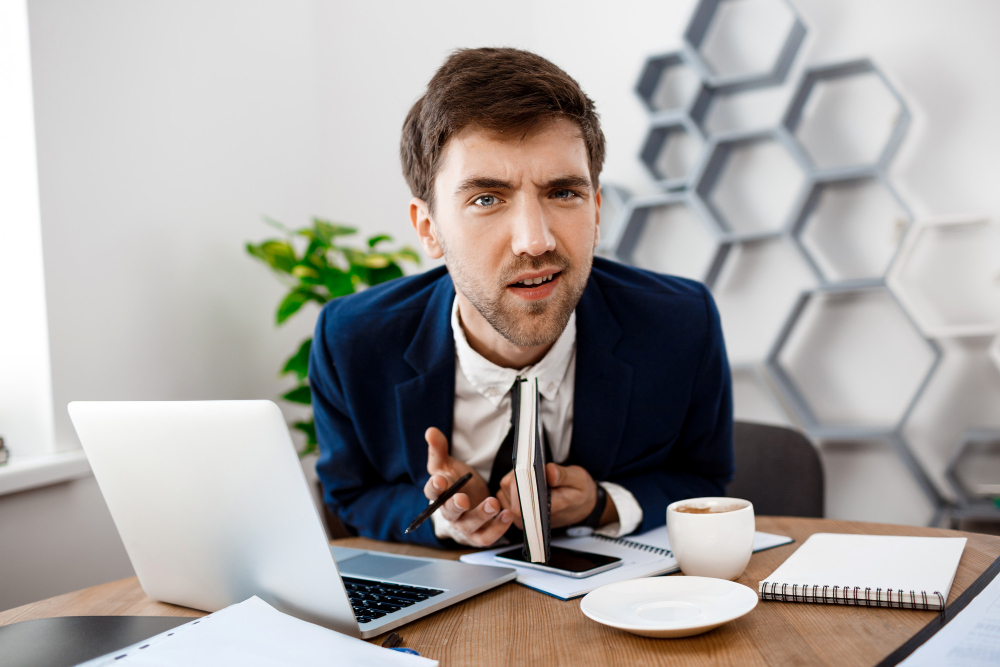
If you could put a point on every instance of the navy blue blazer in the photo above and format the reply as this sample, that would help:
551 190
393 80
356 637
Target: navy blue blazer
652 405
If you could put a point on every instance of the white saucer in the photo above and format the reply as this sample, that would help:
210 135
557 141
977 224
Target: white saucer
669 606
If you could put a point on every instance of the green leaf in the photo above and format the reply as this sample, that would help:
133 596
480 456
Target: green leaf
305 271
278 254
326 230
390 272
375 240
291 304
406 253
298 363
337 282
277 225
376 261
309 429
301 394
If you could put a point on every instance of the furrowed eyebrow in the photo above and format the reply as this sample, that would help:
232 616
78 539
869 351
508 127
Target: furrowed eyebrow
563 182
482 183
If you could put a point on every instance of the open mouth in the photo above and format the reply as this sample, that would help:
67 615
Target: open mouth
538 287
534 282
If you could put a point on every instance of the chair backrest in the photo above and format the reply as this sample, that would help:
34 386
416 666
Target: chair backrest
778 470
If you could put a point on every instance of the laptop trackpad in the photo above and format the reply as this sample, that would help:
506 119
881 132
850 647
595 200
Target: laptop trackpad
379 567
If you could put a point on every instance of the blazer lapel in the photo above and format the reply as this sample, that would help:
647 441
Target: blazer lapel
603 386
429 398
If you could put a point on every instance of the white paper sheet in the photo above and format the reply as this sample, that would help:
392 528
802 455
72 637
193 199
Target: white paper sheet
637 563
254 634
971 639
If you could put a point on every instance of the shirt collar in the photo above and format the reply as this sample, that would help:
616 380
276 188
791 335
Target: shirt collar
493 381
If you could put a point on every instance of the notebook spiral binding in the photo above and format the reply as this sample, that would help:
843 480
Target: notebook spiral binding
852 595
634 545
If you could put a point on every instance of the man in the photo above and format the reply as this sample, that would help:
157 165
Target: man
411 379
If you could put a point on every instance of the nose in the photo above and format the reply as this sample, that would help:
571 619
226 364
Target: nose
531 234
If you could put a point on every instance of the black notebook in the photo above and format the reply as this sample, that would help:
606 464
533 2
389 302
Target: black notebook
529 470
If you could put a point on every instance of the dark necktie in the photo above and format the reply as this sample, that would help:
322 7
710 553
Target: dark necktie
504 461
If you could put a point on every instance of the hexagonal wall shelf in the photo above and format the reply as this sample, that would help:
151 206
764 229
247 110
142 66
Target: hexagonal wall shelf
851 229
671 151
948 276
755 285
668 83
847 115
753 398
974 471
751 184
668 233
614 201
744 44
849 360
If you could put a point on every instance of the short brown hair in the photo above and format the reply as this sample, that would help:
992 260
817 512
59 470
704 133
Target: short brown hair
501 90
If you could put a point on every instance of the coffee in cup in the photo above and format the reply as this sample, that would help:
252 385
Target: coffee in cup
711 537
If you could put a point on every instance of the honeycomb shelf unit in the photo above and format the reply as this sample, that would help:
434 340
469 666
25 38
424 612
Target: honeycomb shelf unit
947 275
846 117
874 384
778 31
614 201
737 169
850 229
655 227
974 475
668 83
820 284
672 149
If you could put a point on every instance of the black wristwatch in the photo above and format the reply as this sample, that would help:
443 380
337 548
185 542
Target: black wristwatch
594 520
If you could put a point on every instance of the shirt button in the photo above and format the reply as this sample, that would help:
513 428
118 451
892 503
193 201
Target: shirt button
552 386
491 392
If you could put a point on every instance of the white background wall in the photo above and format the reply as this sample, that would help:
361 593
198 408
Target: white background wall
167 129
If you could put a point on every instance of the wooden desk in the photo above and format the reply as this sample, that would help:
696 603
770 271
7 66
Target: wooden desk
513 625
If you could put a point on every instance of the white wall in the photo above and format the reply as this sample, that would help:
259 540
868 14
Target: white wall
167 129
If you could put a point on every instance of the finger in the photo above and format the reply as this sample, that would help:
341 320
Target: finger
492 530
571 476
474 519
552 474
513 504
436 485
456 506
437 450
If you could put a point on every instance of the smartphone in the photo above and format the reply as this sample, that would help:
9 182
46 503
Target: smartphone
567 562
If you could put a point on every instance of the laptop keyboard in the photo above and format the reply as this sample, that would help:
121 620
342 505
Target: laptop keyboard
375 599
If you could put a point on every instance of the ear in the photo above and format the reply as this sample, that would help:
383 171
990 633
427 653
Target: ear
420 216
597 227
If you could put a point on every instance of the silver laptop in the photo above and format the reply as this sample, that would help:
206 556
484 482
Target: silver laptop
212 505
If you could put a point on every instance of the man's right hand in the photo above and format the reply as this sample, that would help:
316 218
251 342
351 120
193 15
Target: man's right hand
474 517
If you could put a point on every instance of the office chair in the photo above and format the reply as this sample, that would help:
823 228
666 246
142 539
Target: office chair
778 470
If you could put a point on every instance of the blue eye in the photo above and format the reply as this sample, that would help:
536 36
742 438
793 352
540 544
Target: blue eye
563 194
485 201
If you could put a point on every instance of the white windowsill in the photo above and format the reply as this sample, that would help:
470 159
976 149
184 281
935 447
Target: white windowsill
31 473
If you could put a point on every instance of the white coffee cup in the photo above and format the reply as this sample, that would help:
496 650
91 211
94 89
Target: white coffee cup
713 544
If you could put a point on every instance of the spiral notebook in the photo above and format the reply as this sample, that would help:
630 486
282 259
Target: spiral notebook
644 555
868 571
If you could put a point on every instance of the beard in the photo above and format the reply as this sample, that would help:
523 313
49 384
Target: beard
523 323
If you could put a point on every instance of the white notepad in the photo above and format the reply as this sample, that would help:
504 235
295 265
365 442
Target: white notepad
644 555
255 634
868 570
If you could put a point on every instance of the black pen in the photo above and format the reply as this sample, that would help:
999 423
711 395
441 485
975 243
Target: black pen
441 500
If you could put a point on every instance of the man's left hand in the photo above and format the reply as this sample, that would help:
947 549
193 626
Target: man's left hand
572 493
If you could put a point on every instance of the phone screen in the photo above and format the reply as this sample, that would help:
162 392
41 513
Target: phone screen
569 560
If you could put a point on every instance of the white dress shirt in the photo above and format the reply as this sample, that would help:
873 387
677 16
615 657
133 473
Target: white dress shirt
482 416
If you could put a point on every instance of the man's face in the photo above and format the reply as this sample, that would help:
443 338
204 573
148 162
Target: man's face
517 222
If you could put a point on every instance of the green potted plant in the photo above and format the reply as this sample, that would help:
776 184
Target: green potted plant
314 266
